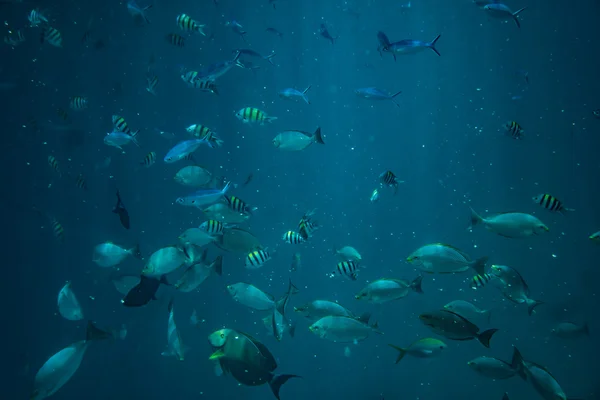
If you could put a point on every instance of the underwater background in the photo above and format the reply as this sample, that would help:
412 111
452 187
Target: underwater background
446 141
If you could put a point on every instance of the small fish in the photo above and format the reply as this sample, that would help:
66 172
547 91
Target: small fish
108 254
250 115
325 33
143 292
455 327
444 259
175 346
275 32
292 237
293 94
248 179
257 259
78 103
36 18
53 163
175 39
596 113
121 211
493 368
252 53
212 227
514 287
239 205
510 225
121 125
373 93
149 160
348 253
51 36
204 85
63 114
595 237
14 38
137 12
468 310
187 24
80 182
408 46
503 12
514 130
68 306
550 203
388 178
237 28
374 196
119 139
348 269
307 226
183 149
344 329
297 140
151 82
570 330
385 290
203 132
203 197
479 281
423 348
296 264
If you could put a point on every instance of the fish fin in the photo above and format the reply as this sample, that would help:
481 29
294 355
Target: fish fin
135 251
217 355
277 381
270 119
164 281
307 89
92 332
485 337
364 318
475 219
505 396
402 352
517 363
416 284
269 57
479 265
218 265
318 137
292 289
292 330
396 94
432 45
375 328
531 305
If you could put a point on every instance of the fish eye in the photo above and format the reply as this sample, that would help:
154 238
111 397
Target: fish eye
193 201
222 336
441 347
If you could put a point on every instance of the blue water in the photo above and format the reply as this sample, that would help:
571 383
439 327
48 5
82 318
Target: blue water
446 141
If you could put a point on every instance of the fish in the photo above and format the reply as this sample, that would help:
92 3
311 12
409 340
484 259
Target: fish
306 226
119 139
595 237
251 296
237 28
53 163
596 113
137 12
410 46
151 83
296 264
214 71
203 132
514 130
124 283
570 330
204 85
51 36
510 225
252 53
455 327
374 196
239 205
61 367
78 103
149 160
238 240
483 3
165 260
325 34
503 12
68 305
122 212
550 203
80 182
109 255
187 24
513 286
344 329
422 348
493 368
194 176
372 93
14 38
175 346
297 140
318 309
203 197
224 213
348 269
479 281
468 310
143 292
212 227
121 125
444 259
246 359
36 18
196 237
275 32
384 290
388 178
292 237
196 274
348 253
257 258
293 94
57 229
175 39
183 149
251 115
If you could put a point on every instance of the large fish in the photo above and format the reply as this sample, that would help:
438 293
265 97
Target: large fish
143 292
455 327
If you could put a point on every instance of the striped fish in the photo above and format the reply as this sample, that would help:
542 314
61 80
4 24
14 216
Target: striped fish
550 203
307 226
239 205
120 124
479 281
78 103
149 160
292 237
53 162
14 38
257 259
80 182
212 227
152 81
51 36
64 115
514 130
347 269
388 178
251 115
57 230
187 24
36 18
175 39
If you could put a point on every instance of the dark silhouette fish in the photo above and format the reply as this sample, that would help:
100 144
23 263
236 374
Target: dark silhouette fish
121 211
325 33
143 292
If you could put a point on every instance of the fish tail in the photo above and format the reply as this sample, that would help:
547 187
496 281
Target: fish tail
532 304
475 219
292 330
401 352
277 381
432 45
485 337
505 396
292 289
317 137
479 265
515 17
134 138
270 119
269 58
416 284
395 94
517 363
218 265
94 333
136 252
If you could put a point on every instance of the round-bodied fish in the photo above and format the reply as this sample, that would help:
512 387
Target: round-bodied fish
513 286
423 348
444 259
384 290
348 253
109 254
196 274
493 368
455 327
251 296
510 225
68 305
183 149
468 310
164 261
343 329
297 140
318 309
193 176
196 236
222 212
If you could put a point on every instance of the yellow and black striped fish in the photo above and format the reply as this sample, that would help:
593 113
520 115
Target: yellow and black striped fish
388 178
57 230
53 162
187 24
479 281
14 38
253 115
149 160
152 81
78 103
175 39
212 227
307 226
120 124
257 259
550 203
292 237
80 182
205 85
199 131
52 36
348 269
238 205
514 130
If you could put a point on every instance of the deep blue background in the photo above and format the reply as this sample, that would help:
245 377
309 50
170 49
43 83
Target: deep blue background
446 142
